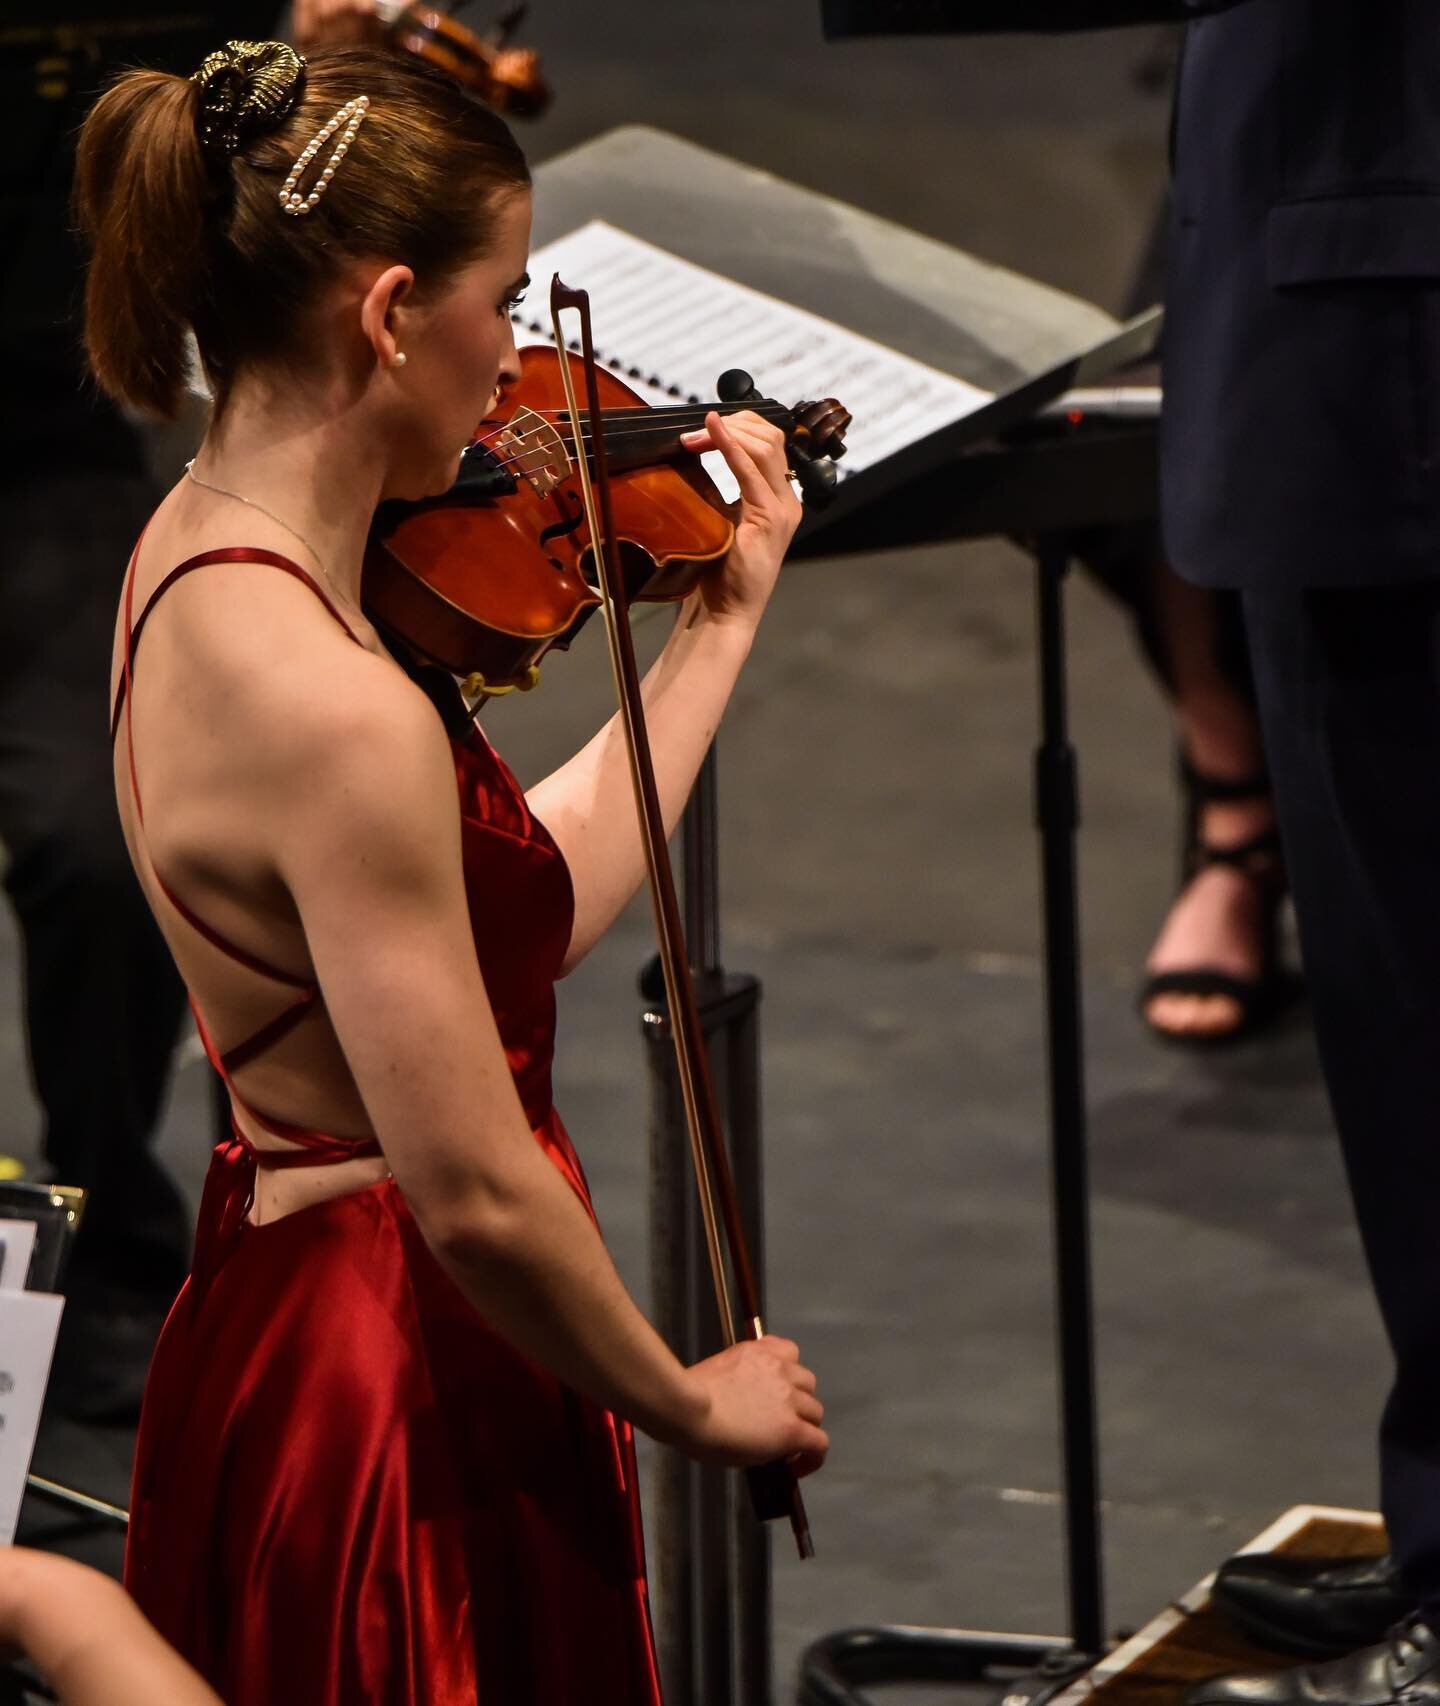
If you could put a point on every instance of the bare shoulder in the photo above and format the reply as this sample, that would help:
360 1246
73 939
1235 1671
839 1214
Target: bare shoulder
363 741
267 636
326 723
349 733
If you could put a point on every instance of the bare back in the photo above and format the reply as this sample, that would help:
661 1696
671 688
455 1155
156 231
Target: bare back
239 660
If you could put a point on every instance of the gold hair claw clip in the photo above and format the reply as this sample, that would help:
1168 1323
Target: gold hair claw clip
246 87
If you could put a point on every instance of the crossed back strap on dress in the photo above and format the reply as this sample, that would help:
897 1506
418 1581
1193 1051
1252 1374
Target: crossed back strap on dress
313 1147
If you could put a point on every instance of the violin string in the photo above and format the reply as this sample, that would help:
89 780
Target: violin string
663 411
505 462
644 423
501 463
646 418
521 452
613 434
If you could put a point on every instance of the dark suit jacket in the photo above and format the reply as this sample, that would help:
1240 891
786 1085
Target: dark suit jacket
1301 440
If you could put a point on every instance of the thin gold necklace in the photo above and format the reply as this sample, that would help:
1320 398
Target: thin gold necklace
294 532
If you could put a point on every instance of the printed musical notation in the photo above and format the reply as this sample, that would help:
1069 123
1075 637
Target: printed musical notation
669 328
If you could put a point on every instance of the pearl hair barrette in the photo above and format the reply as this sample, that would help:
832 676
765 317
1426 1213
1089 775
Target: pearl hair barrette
352 116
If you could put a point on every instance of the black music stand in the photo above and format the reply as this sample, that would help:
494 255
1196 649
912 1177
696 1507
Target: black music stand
832 1666
996 471
1046 482
1047 479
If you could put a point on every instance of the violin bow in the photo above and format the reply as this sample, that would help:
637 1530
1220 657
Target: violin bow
774 1490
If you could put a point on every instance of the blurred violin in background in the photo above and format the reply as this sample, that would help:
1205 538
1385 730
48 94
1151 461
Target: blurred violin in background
490 66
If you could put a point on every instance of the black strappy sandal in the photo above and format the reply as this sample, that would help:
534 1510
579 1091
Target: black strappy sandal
1260 860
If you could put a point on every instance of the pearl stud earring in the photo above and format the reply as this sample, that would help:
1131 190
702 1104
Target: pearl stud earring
399 360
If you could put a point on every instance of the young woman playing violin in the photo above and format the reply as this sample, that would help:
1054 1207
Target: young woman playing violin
386 1451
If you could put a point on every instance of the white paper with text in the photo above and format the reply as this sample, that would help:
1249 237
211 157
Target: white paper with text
669 328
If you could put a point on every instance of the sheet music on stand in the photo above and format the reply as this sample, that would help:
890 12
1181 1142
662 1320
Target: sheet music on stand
1026 345
669 328
669 323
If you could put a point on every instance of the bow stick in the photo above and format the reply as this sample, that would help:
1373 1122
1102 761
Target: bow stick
774 1491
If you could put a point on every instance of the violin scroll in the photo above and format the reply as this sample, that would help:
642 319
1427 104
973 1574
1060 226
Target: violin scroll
821 427
811 448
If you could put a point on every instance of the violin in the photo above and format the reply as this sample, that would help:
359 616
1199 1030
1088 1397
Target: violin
505 77
501 569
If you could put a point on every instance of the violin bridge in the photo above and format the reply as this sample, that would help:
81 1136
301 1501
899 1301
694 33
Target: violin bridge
532 448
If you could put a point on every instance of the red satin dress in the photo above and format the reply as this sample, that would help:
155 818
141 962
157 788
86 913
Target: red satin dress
348 1490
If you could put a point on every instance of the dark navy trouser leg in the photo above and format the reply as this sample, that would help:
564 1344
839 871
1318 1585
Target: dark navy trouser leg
1348 681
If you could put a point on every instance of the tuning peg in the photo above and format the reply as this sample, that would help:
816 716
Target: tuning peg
815 475
736 386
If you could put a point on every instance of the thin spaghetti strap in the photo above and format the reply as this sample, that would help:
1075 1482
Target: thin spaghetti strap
123 704
308 991
310 1143
225 554
312 1146
254 554
276 973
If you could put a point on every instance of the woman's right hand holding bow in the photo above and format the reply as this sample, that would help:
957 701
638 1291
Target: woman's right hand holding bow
760 1405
